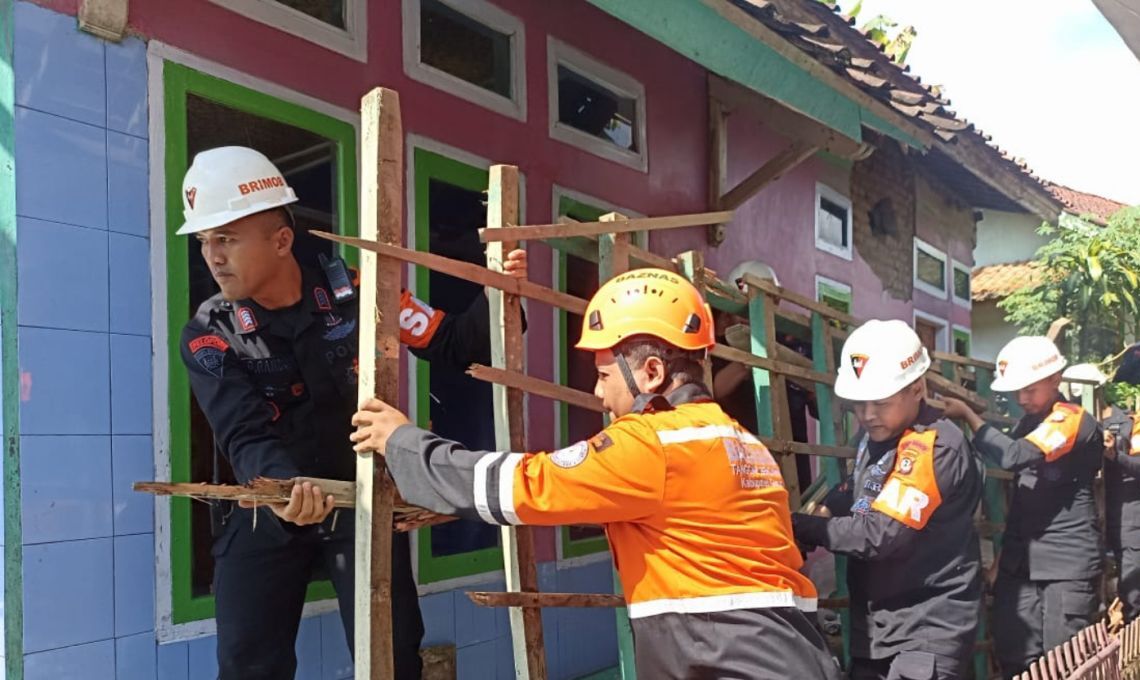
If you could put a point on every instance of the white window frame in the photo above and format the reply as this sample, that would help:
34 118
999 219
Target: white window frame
558 54
352 41
955 266
490 16
940 293
959 328
942 340
823 191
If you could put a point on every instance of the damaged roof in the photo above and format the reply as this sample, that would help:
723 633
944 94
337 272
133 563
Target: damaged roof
830 38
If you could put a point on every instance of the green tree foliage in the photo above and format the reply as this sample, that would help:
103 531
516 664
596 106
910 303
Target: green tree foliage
884 31
1091 275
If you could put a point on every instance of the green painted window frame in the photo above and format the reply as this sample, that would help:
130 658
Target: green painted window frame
569 206
829 293
963 335
178 82
431 165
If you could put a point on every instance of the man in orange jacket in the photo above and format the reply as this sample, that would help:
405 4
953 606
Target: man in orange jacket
694 506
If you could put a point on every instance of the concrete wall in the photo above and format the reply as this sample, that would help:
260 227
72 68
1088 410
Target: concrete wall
1007 237
991 332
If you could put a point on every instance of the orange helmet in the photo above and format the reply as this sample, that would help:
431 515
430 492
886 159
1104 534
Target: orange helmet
647 302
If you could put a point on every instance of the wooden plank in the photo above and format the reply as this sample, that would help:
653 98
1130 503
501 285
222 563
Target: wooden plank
718 163
944 386
466 270
623 226
535 600
405 517
507 353
778 395
800 300
801 449
776 167
532 385
756 361
382 213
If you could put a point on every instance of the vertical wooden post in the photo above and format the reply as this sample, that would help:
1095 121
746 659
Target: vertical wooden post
823 360
382 211
773 417
718 164
507 352
613 259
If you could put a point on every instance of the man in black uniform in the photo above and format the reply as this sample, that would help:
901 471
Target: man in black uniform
1122 503
1045 590
272 361
904 518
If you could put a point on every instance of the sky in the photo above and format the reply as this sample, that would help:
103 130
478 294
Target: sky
1051 81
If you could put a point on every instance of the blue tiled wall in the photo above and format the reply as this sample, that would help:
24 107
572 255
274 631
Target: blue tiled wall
85 351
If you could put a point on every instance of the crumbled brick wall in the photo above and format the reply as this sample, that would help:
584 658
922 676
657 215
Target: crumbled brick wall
886 174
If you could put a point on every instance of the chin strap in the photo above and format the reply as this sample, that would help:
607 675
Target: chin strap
627 374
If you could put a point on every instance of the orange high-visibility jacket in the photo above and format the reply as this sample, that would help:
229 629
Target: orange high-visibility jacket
694 506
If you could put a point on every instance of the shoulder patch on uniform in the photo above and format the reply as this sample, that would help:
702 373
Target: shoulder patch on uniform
1057 433
601 441
910 494
210 353
571 456
246 320
214 341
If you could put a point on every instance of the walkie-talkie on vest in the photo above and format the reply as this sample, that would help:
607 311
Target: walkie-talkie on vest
336 271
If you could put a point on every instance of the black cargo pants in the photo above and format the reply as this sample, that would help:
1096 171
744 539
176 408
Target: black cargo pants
260 579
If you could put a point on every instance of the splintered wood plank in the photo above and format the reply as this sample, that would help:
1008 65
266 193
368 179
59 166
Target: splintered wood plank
276 491
382 210
624 225
535 600
507 353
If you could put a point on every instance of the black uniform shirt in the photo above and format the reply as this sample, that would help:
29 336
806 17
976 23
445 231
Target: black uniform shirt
1122 484
911 589
278 387
1051 531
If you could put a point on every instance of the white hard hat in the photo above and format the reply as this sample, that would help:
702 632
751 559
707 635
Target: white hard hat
879 359
754 267
228 183
1026 360
1086 373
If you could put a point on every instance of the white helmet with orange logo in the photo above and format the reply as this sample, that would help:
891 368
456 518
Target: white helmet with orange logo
1026 360
228 183
879 359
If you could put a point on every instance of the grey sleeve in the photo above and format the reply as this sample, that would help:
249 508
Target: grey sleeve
870 536
440 475
1005 452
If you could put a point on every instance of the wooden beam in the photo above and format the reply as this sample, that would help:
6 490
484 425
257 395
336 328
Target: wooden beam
964 361
772 365
718 163
776 445
625 225
800 300
382 213
507 353
537 386
785 121
468 271
273 491
983 162
536 600
776 167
